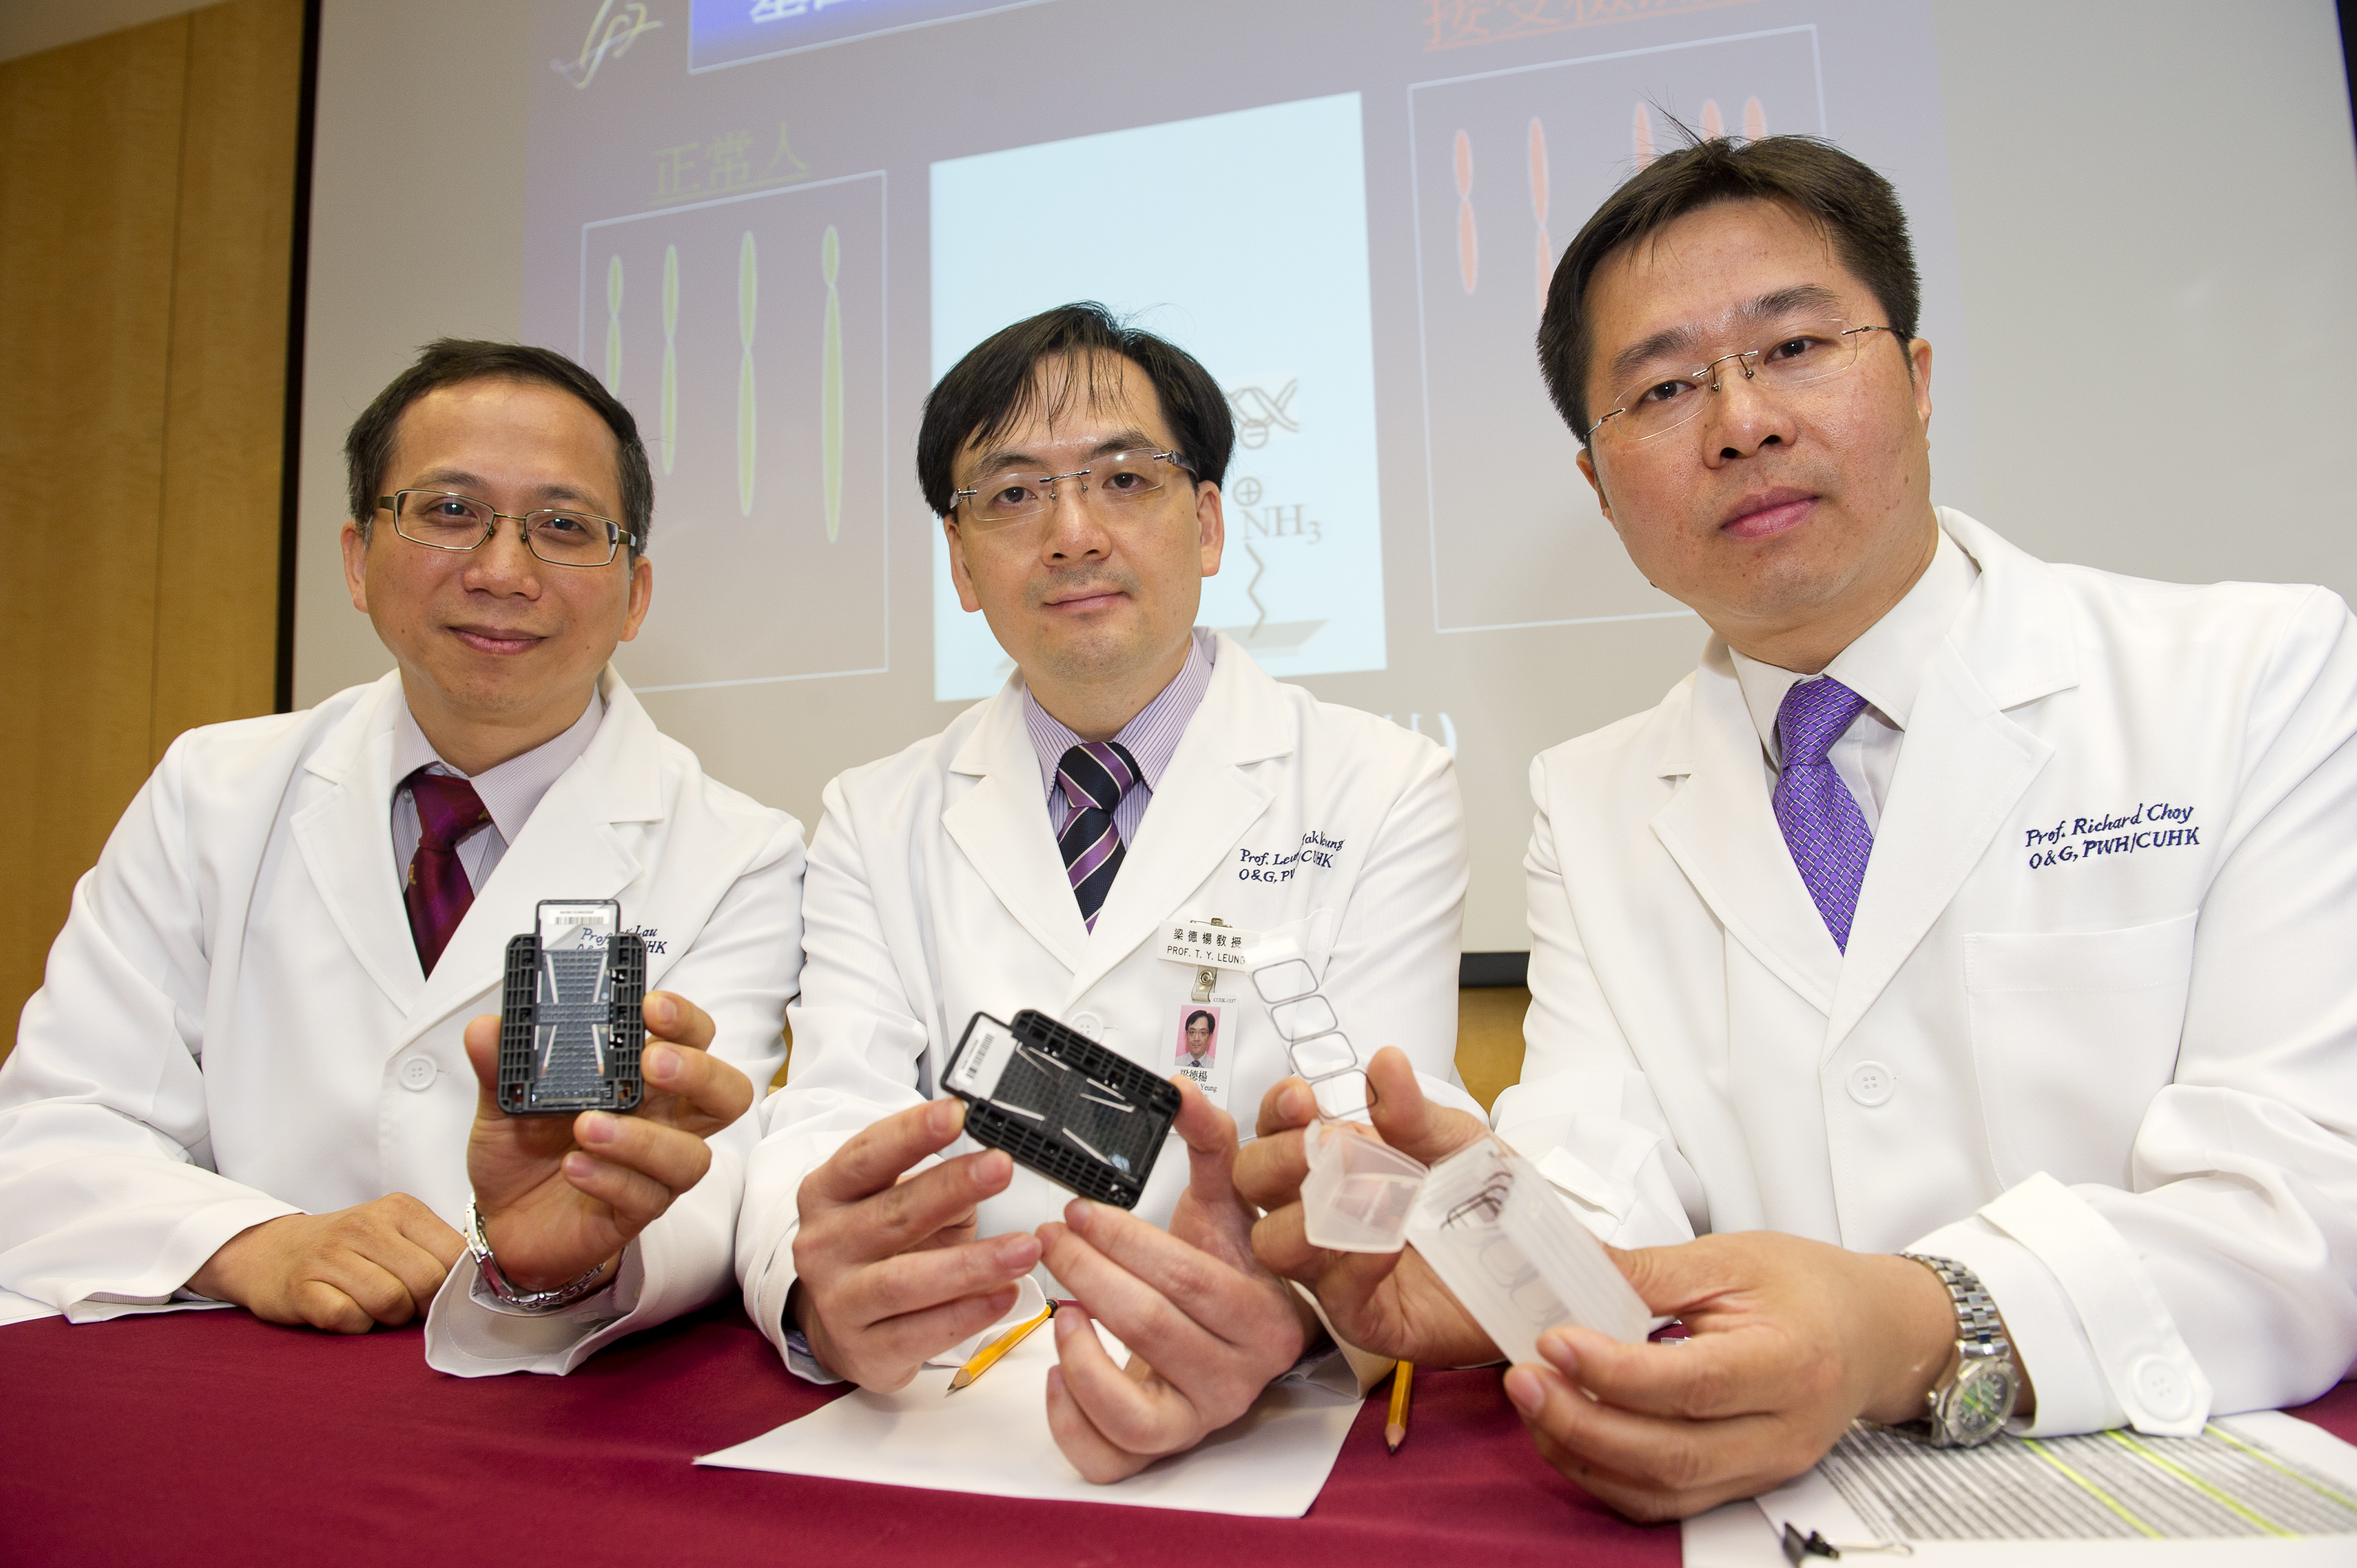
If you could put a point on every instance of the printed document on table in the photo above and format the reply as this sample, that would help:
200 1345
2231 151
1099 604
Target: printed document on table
2279 1490
992 1437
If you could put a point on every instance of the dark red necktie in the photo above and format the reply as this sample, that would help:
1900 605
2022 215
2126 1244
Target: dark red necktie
439 892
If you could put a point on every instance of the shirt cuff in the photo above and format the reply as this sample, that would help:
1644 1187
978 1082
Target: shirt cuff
2049 1342
803 1362
471 1333
2042 1245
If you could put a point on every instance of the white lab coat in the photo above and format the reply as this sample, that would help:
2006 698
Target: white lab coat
2093 1033
936 892
234 1025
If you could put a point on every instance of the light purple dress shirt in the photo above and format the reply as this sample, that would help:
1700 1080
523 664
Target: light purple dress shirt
510 791
1151 738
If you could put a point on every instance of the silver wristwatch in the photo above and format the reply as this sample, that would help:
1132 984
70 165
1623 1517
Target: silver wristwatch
478 1246
1973 1398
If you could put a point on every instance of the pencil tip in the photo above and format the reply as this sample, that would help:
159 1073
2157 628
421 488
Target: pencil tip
1394 1436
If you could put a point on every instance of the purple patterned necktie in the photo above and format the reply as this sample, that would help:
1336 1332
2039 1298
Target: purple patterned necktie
439 892
1822 826
1095 775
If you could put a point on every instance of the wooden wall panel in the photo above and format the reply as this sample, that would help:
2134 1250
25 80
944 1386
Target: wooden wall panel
90 174
1490 1040
217 583
147 191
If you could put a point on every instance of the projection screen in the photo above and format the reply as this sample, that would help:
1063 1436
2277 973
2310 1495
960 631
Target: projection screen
770 225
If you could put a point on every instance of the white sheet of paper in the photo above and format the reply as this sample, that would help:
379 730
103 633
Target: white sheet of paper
992 1438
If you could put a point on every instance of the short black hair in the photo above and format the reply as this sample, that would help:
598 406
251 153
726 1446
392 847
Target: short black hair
997 384
452 361
1856 208
1205 1014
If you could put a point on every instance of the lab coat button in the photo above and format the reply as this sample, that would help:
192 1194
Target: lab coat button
417 1072
1089 1024
2167 1393
1871 1083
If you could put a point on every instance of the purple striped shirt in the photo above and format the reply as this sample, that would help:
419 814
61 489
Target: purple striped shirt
1151 738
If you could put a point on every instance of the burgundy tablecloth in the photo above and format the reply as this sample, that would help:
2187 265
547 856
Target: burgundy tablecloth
197 1438
207 1437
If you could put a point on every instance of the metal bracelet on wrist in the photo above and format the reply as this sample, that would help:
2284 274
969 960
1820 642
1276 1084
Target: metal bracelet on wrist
1972 1402
478 1246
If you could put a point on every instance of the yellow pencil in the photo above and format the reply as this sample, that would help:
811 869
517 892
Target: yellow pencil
1395 1429
985 1358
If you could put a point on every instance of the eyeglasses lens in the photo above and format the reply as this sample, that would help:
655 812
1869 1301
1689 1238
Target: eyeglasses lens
445 521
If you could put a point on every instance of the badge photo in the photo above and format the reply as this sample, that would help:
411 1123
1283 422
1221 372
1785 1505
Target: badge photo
1198 1038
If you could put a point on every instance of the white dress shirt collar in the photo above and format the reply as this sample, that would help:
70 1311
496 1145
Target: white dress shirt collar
1885 664
510 791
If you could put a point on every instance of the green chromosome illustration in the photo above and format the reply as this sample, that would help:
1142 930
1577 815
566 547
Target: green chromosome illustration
670 356
830 388
614 325
747 296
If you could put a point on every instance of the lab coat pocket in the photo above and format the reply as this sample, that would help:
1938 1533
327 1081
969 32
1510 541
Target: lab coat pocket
2073 1033
1313 935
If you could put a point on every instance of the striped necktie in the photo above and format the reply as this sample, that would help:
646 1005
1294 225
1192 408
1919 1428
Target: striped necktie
1095 775
1822 826
438 893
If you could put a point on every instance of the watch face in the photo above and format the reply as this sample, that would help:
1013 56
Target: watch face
1980 1403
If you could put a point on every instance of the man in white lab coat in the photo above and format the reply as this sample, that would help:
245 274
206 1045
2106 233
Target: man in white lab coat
250 1076
1967 933
1133 780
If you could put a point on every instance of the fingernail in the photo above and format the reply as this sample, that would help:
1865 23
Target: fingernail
1296 1104
993 1171
660 1063
1066 1323
1523 1388
578 1166
1079 1213
947 1116
1018 1251
598 1127
666 1011
1555 1347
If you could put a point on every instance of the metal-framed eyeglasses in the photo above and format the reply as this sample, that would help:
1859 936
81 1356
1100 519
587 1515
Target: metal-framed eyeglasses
1115 479
445 519
1798 354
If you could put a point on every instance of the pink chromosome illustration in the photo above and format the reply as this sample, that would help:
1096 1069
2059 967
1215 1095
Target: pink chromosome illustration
1539 208
1754 120
1713 124
1469 245
1643 137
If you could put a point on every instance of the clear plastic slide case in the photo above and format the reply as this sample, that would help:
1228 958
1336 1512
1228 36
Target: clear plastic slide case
1499 1236
1062 1105
570 1024
1492 1227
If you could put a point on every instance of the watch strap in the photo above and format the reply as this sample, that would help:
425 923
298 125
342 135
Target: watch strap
1980 1332
1983 1352
478 1246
